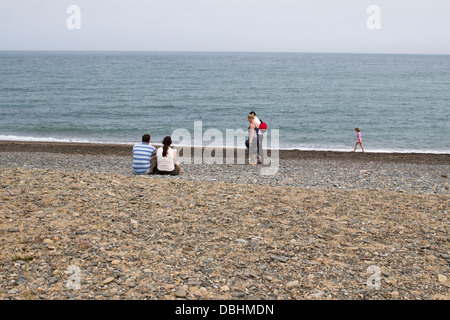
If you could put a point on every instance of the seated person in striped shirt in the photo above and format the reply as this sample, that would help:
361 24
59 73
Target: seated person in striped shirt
143 162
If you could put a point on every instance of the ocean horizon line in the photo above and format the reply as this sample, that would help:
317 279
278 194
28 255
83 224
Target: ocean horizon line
223 51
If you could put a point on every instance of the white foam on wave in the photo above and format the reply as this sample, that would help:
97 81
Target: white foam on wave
368 150
300 148
50 139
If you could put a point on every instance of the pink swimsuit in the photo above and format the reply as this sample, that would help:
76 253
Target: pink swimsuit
358 137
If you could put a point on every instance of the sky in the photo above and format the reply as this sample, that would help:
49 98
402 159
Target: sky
349 26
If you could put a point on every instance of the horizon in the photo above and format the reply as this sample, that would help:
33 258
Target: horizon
200 51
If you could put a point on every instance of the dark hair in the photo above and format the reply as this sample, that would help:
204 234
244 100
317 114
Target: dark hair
146 138
253 113
166 144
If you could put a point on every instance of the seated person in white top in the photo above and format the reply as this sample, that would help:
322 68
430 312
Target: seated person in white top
166 158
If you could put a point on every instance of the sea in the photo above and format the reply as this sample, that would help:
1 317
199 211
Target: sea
310 101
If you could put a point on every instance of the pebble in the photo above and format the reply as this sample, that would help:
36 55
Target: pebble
168 287
108 280
292 284
279 258
395 294
181 293
210 234
225 288
317 294
305 173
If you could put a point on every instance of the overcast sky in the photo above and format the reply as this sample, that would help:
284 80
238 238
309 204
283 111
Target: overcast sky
403 26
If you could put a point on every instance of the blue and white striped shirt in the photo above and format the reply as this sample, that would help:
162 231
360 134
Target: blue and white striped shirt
142 154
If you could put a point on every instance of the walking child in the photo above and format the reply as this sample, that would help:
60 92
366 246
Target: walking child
358 140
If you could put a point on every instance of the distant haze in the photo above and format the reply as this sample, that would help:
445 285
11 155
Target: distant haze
398 26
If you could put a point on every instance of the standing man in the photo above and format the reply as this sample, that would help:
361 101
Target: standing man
142 156
260 139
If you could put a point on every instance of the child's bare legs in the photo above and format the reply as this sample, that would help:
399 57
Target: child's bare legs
362 148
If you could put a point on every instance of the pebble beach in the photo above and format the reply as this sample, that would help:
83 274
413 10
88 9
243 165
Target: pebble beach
75 223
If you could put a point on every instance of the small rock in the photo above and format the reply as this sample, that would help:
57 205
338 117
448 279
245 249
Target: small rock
430 257
278 258
108 280
181 293
310 277
39 280
13 229
394 293
168 287
224 288
292 284
317 293
442 278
